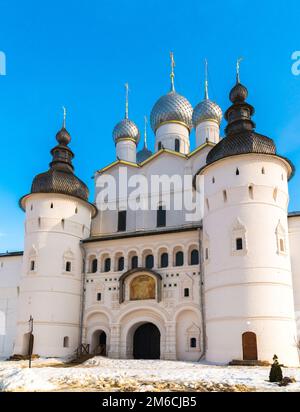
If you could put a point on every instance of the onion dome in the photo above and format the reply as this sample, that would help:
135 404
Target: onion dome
126 128
171 107
60 177
240 136
207 109
143 154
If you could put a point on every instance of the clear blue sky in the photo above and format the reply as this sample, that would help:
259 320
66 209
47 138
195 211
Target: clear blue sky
80 54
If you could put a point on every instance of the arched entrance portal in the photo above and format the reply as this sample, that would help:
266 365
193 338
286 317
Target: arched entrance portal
249 346
146 342
99 343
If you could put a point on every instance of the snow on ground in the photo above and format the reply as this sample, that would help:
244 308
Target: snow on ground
105 374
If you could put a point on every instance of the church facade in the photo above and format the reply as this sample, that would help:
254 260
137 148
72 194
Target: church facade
125 282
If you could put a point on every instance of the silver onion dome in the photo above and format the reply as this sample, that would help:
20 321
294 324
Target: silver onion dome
207 110
171 107
126 129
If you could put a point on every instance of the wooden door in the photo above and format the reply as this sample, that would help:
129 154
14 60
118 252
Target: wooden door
249 346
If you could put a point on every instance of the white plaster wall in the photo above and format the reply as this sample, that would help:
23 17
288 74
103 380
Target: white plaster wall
10 273
177 166
167 133
207 131
50 294
126 150
294 239
251 290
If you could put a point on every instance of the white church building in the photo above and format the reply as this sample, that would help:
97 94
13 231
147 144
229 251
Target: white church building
149 283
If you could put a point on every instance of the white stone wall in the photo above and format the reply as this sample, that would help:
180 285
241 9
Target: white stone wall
168 164
207 131
49 293
177 317
126 150
294 240
249 289
10 272
168 132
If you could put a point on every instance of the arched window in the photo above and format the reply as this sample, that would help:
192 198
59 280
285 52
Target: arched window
177 145
164 260
94 265
149 262
66 341
107 264
159 146
134 262
237 172
250 188
194 257
161 216
121 263
179 259
193 342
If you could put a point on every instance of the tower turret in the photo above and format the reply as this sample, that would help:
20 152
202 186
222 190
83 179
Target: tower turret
247 269
58 217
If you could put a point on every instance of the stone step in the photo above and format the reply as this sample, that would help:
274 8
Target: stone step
238 362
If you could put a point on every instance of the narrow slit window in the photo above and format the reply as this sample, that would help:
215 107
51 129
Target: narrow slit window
250 188
225 196
122 221
32 265
98 297
239 243
193 342
186 292
237 172
68 266
66 342
161 216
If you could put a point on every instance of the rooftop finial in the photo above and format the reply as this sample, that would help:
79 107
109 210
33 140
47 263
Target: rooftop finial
172 75
206 80
64 116
126 100
145 131
238 69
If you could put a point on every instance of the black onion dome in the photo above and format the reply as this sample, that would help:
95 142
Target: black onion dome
63 136
238 93
240 136
60 177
